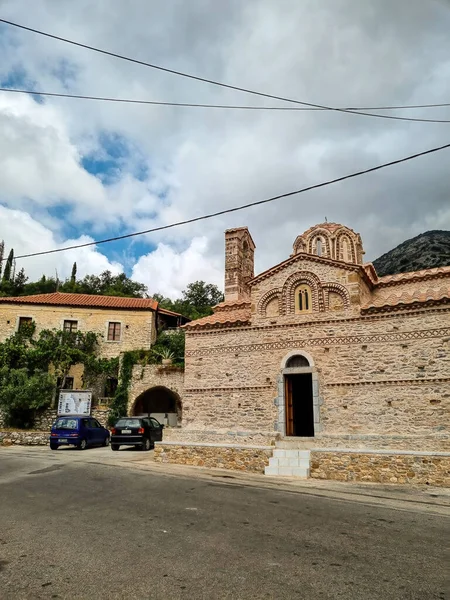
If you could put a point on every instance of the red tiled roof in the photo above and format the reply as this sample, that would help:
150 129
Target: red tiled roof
412 275
330 226
232 305
86 300
227 314
387 298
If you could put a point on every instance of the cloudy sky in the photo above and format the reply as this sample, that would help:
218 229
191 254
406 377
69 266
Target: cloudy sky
72 171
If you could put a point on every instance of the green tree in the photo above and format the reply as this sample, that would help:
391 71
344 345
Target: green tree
52 352
73 276
8 266
197 300
22 395
18 285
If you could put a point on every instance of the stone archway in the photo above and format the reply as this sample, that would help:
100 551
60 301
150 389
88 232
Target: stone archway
161 403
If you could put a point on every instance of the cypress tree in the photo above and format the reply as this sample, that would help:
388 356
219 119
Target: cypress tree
8 266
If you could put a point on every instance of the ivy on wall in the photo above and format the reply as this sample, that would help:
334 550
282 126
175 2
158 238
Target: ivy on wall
30 366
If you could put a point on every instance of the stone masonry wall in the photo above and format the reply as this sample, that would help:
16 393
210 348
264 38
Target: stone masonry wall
23 438
145 378
240 458
138 327
411 468
380 375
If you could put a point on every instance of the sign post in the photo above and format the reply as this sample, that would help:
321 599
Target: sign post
75 402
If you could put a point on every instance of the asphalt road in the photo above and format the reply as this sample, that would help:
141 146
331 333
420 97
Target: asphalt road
94 525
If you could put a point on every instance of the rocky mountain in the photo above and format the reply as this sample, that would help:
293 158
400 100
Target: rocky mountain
427 250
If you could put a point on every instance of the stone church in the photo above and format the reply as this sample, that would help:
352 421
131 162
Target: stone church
318 352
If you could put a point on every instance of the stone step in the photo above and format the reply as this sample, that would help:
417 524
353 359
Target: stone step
287 471
289 463
291 453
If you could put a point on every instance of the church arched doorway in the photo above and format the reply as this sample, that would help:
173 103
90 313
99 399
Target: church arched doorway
298 396
161 403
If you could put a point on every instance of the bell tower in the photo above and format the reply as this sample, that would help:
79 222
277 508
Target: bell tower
239 263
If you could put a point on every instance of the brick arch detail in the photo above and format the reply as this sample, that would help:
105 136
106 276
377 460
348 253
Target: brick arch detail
326 243
292 282
266 298
351 245
299 245
339 289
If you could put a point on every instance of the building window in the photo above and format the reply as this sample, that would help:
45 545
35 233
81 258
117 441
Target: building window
303 299
70 326
23 322
319 247
110 387
68 383
114 330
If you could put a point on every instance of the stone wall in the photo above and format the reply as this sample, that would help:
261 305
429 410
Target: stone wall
150 376
382 467
45 419
137 331
378 375
23 438
238 458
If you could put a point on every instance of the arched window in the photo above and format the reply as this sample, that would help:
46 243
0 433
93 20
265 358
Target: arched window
303 299
319 247
344 254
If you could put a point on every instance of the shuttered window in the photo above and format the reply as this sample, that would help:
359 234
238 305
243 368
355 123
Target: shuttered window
114 331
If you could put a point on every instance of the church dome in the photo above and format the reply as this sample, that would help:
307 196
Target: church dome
331 240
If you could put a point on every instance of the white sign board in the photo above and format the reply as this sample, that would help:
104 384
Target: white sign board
74 402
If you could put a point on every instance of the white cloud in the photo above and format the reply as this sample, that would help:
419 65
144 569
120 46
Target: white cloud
24 235
168 272
336 52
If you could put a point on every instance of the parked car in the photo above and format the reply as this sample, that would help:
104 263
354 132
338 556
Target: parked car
78 431
141 432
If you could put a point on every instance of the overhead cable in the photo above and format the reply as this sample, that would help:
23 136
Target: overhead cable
222 106
238 208
201 79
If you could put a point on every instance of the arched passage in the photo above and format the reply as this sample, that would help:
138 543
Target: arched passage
161 403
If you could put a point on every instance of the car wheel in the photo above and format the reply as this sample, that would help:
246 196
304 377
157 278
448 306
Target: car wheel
82 445
106 442
115 447
53 446
146 444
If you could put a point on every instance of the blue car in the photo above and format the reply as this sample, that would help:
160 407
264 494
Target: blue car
78 431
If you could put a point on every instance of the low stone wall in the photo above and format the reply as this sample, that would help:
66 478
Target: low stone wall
23 438
382 466
234 438
222 456
45 420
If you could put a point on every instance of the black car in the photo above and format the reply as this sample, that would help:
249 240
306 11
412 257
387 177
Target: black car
141 432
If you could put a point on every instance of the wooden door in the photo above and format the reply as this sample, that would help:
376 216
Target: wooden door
289 406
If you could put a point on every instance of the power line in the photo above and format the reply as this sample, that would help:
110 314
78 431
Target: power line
238 208
223 106
202 79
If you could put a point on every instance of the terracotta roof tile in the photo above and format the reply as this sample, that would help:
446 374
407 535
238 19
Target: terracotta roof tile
330 226
88 300
408 297
412 275
232 305
221 319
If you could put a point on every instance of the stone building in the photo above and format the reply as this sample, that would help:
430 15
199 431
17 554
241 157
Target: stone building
123 324
335 366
